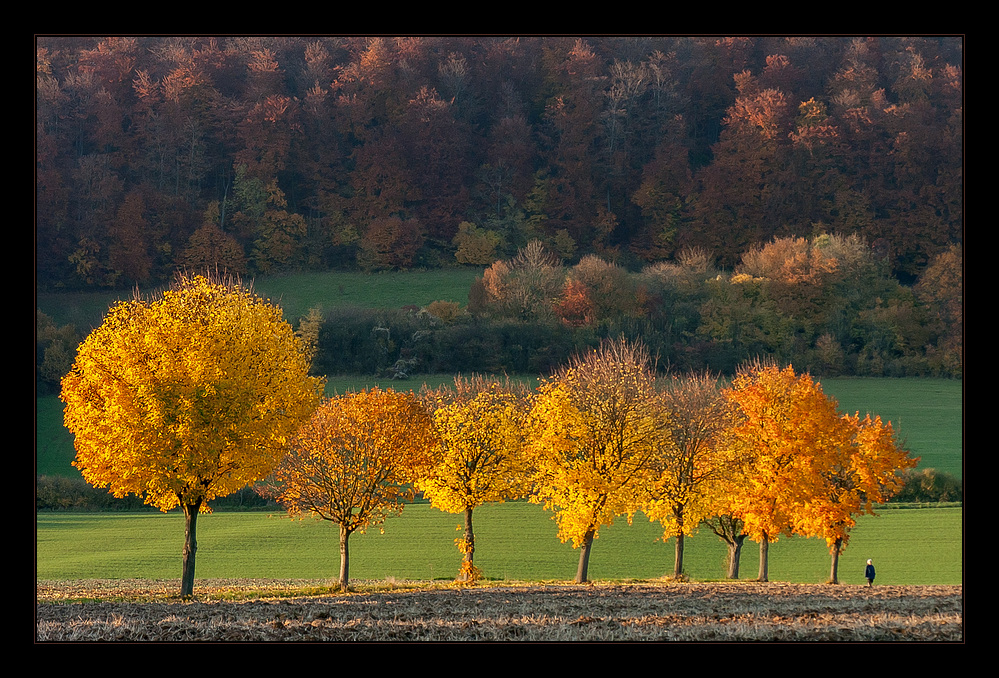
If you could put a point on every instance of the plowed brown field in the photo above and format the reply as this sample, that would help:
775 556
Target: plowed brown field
302 611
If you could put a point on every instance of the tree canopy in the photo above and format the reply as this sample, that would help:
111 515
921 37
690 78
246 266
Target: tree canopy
594 427
807 468
187 396
354 461
480 457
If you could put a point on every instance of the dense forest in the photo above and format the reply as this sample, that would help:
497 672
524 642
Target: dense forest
275 153
818 181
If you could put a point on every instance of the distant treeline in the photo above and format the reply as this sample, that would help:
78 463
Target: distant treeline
54 493
59 493
827 305
266 154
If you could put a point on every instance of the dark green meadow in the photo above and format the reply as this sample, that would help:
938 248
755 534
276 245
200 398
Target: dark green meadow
297 293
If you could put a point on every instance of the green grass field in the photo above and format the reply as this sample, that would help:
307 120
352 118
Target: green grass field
297 293
515 541
927 414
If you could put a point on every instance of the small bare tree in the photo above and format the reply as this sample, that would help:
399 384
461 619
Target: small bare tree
692 456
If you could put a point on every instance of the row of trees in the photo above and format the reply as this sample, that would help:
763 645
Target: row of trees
258 154
205 390
602 439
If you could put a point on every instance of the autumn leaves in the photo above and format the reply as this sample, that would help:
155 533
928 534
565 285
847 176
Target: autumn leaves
198 393
808 469
603 438
596 426
187 397
353 461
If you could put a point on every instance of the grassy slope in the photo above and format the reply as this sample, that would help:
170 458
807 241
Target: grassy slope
297 293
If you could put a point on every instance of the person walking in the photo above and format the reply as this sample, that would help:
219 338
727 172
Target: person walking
869 572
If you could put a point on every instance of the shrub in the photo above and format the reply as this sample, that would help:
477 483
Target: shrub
930 486
56 493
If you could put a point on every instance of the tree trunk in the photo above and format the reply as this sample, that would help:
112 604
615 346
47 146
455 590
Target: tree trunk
729 529
678 548
584 557
834 569
344 557
469 547
764 559
190 548
678 559
734 555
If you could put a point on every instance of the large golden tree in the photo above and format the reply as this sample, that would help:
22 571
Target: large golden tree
594 426
187 396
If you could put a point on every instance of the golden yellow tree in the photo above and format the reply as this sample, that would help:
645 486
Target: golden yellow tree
187 397
593 425
692 456
480 456
353 463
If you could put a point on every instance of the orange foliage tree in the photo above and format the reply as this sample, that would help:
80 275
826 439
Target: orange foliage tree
784 424
480 456
811 469
187 397
354 462
863 466
574 305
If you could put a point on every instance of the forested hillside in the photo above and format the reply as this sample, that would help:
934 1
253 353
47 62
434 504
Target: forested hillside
719 198
266 154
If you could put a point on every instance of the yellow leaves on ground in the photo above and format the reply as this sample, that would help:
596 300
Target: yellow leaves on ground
188 396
